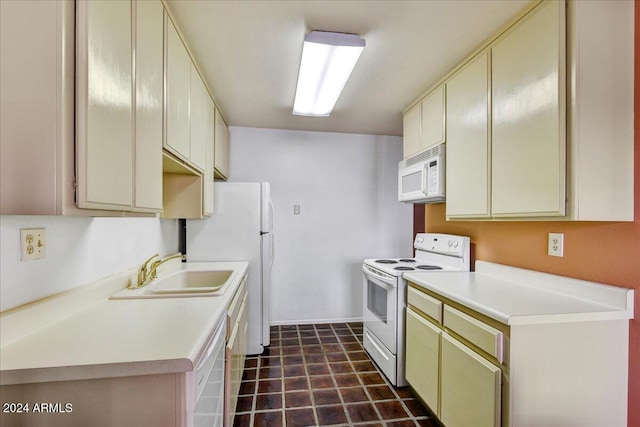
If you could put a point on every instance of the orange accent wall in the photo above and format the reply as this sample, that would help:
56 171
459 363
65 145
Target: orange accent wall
604 252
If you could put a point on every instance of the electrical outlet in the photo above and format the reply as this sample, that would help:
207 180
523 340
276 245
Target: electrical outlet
32 244
296 209
556 244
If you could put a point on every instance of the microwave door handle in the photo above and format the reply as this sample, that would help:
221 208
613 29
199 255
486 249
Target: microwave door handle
425 177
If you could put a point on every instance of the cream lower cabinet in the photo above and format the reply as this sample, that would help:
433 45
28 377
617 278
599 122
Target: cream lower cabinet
423 359
236 350
473 370
470 387
456 380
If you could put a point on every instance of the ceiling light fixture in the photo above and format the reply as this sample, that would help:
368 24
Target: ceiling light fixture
327 62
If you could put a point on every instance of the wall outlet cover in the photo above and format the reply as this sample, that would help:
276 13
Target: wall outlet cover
556 244
32 244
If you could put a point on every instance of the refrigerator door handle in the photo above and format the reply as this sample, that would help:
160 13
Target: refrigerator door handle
273 251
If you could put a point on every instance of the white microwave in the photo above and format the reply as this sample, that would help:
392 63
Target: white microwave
421 177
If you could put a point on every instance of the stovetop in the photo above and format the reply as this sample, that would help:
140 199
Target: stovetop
398 266
434 252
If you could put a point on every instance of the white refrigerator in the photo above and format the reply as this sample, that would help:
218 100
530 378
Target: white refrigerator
240 229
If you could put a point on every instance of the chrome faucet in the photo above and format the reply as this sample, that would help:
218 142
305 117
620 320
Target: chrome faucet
147 271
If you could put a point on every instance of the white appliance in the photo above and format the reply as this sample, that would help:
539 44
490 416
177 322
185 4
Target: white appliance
240 229
421 177
385 296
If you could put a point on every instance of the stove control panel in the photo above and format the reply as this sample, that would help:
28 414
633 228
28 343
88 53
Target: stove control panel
441 243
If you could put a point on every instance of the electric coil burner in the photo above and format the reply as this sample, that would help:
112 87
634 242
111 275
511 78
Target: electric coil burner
384 301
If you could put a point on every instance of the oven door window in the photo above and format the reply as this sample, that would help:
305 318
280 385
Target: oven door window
377 301
380 310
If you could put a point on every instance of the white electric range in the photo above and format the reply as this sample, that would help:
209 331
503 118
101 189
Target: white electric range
385 295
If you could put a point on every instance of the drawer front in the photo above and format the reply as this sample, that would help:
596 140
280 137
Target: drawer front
425 303
476 332
234 307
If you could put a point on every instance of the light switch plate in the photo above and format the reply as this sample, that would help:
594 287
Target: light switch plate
556 244
32 243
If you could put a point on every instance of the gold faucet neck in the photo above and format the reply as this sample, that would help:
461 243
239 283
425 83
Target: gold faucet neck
148 270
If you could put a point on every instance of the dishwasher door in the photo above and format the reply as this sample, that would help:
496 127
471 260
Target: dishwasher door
209 382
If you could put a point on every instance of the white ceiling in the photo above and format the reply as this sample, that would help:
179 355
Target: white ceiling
249 53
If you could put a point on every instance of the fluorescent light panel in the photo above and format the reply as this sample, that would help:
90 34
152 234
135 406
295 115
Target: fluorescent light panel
327 62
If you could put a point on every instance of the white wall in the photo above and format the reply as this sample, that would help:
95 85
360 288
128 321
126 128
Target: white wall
79 251
346 186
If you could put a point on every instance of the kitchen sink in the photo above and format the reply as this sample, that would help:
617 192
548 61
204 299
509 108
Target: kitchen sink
182 283
191 281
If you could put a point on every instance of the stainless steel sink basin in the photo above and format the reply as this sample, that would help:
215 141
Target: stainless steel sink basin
182 283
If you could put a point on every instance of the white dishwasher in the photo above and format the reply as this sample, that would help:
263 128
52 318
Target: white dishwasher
207 384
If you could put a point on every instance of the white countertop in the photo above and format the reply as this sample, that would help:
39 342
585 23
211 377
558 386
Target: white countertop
516 296
113 338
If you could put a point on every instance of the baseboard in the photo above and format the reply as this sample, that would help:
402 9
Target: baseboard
315 321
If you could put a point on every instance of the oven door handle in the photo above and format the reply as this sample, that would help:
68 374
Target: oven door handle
389 282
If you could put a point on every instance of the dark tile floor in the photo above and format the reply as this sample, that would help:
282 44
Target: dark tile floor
320 375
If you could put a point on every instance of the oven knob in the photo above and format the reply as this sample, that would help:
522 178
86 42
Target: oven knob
449 242
455 244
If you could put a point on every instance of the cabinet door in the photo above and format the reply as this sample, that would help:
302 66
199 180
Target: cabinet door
411 131
36 67
528 116
104 139
149 52
468 147
198 121
207 197
433 119
422 358
470 387
178 81
235 357
221 147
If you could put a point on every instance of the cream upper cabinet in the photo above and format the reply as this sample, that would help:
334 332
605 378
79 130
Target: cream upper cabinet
104 118
528 115
178 83
601 110
411 128
36 108
424 123
202 137
149 29
221 147
199 121
468 158
433 119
